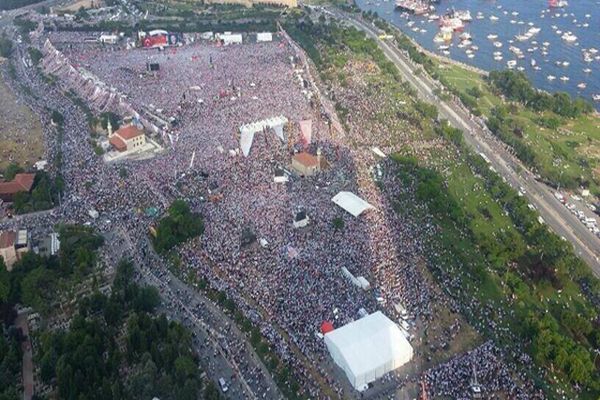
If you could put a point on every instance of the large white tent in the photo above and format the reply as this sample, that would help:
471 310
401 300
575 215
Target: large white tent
368 348
351 203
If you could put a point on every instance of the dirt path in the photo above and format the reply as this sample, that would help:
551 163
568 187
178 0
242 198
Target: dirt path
27 358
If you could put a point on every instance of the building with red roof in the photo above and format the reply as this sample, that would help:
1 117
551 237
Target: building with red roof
20 183
128 138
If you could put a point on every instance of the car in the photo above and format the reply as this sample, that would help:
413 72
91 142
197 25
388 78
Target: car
223 385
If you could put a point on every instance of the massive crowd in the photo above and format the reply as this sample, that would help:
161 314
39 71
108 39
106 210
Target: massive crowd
206 92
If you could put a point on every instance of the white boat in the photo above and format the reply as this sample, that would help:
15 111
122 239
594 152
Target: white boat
523 38
511 64
471 55
565 64
492 36
546 44
463 15
587 70
533 62
497 53
465 36
534 30
493 18
498 44
565 78
569 37
498 58
474 47
593 50
596 97
551 77
537 68
581 85
519 68
515 13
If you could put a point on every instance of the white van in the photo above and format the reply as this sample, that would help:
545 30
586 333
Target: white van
223 385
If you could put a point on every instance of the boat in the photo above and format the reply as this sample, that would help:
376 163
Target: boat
534 30
465 36
498 44
415 7
551 77
443 47
523 38
498 58
569 37
511 64
565 78
464 15
533 62
581 85
455 23
474 47
565 64
493 18
587 70
492 36
557 3
471 55
521 69
596 97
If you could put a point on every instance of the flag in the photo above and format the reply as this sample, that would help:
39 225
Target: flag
306 130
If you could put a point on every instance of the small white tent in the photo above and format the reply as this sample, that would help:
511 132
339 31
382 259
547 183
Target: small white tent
351 203
368 348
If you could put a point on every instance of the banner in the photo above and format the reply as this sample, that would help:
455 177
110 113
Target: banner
306 130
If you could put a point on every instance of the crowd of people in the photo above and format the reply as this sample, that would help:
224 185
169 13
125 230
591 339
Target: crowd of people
205 92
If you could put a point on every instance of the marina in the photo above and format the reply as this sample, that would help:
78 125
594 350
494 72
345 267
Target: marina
553 42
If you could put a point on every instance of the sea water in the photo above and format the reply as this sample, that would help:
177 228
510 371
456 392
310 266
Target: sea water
516 17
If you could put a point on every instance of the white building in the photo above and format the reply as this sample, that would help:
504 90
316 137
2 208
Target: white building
368 348
264 37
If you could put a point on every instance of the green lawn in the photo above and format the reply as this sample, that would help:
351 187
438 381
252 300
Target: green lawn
570 153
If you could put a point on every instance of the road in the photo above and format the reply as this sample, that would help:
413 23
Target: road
224 349
556 215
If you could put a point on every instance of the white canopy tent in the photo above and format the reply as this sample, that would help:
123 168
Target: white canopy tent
368 348
247 131
351 203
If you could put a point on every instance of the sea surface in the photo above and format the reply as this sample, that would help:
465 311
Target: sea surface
515 17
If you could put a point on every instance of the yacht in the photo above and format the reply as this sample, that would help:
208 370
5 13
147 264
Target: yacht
551 77
493 18
465 36
569 37
564 78
596 97
565 64
587 70
511 64
533 62
581 85
498 44
492 36
498 58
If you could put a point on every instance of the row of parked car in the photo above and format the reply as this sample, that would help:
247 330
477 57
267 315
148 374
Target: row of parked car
590 222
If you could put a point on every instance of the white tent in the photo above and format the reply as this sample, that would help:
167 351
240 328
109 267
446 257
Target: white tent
264 37
368 348
351 203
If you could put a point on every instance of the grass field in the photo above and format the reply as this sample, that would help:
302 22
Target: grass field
20 131
569 154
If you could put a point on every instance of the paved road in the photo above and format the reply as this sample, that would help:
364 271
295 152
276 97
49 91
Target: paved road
585 243
227 352
27 369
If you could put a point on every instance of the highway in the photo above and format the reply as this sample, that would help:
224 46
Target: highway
555 214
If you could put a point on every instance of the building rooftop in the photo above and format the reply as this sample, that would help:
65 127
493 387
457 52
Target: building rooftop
129 132
7 239
306 159
118 143
21 183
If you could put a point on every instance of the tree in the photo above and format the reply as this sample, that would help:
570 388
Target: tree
6 46
12 170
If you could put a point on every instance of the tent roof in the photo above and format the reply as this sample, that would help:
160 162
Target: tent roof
351 203
370 342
